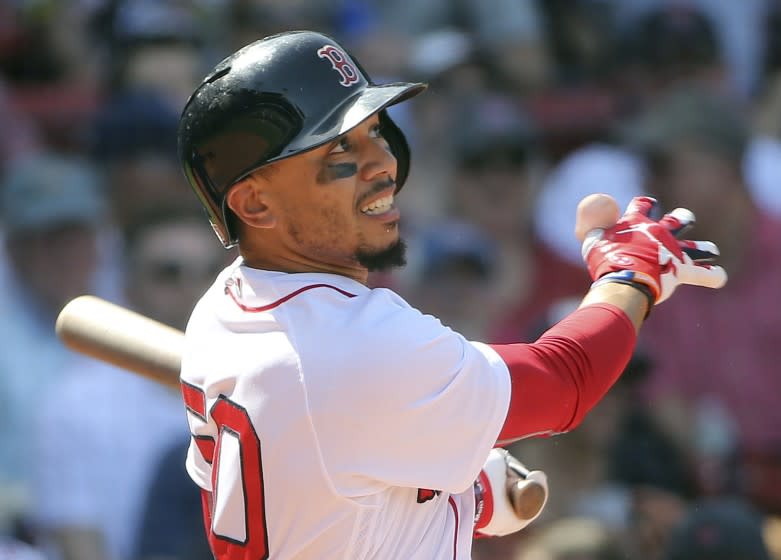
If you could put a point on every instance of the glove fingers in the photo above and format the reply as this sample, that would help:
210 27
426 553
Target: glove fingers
641 205
700 251
704 275
678 221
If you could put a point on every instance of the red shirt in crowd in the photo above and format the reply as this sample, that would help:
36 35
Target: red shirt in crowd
726 344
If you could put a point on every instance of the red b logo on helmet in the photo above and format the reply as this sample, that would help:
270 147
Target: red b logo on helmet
340 63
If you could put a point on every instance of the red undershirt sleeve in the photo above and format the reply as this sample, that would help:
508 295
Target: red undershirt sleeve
557 379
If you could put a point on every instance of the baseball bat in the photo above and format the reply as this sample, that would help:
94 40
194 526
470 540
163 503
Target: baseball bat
114 334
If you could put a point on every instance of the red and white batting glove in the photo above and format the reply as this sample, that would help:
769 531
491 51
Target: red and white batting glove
508 496
645 253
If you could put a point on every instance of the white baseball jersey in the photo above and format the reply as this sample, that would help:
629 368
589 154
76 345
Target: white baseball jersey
334 421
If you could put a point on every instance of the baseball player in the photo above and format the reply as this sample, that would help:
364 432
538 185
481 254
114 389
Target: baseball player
333 421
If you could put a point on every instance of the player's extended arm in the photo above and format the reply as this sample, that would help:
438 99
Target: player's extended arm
635 263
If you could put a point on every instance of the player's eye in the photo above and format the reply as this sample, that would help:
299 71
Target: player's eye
376 131
342 146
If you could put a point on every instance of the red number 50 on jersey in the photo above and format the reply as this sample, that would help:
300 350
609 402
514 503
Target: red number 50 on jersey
237 448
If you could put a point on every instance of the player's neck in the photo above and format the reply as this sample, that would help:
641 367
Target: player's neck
299 264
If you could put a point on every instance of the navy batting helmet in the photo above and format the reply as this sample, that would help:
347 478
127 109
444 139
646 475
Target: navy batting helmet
275 98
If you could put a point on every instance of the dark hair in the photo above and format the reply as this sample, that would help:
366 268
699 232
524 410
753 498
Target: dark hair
132 124
671 41
707 120
718 529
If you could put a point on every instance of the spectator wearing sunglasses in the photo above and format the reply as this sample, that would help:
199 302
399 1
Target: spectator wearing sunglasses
95 451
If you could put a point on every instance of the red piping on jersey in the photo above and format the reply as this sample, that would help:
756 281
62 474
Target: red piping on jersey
282 300
452 503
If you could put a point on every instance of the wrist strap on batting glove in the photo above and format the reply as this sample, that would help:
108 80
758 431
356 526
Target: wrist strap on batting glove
647 252
629 278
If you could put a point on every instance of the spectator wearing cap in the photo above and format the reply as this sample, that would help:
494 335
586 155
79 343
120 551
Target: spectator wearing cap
495 186
156 46
50 210
446 59
454 269
716 386
723 529
669 43
509 33
133 137
723 39
133 140
94 464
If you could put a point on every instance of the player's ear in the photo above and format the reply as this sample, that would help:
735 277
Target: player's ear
249 202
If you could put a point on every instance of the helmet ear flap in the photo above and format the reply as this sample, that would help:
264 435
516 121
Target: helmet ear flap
398 146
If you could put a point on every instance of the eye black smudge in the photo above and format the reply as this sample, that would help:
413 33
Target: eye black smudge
336 171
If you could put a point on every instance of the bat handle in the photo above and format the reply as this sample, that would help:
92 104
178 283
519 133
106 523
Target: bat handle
521 469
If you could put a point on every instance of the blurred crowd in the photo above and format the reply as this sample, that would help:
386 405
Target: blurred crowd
532 104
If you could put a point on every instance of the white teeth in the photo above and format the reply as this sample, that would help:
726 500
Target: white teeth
379 206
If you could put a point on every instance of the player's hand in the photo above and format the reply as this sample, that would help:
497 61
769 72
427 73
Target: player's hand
508 495
640 250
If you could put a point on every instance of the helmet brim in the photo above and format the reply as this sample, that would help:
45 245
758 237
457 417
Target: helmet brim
350 114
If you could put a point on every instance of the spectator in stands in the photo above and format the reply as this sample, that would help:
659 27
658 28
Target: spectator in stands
495 187
134 138
718 530
454 268
737 28
94 464
155 46
721 376
669 44
508 33
171 526
51 209
619 462
12 549
573 538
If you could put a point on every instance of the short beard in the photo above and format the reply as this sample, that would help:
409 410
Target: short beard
385 259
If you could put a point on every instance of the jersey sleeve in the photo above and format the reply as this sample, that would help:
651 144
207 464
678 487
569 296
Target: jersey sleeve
559 378
400 399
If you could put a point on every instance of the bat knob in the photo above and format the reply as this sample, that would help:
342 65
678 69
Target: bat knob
528 498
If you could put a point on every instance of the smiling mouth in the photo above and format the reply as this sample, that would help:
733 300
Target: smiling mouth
379 206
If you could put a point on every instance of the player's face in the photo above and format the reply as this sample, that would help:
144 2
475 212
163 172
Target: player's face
335 204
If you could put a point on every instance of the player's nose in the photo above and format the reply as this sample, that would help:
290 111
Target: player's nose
378 161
